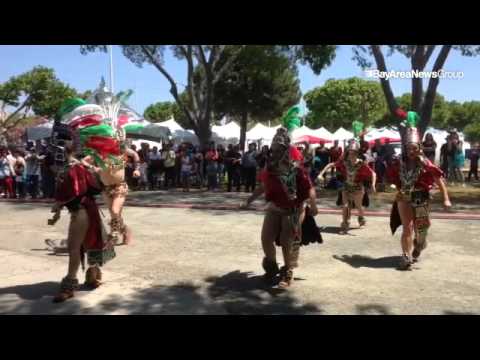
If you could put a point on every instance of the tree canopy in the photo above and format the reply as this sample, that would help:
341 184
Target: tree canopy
339 102
38 91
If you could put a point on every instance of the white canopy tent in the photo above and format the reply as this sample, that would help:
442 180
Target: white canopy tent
228 131
323 133
342 136
260 132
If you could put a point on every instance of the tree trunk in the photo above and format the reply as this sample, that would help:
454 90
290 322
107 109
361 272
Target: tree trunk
243 130
203 131
387 89
427 108
418 59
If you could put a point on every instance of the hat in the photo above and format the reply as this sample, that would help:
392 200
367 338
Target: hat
412 133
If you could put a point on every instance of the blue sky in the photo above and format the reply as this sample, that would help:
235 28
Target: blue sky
83 72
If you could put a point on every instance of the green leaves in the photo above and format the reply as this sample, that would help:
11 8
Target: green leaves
340 102
38 90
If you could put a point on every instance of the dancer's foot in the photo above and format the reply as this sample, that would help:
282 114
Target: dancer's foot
67 289
93 277
405 263
286 278
344 226
418 247
271 270
361 221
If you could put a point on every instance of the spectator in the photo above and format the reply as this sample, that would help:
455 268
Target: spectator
379 153
249 165
211 157
321 159
168 157
154 167
143 180
32 170
262 157
388 152
473 156
221 164
199 168
7 175
47 174
186 159
458 161
335 154
19 168
445 156
429 147
233 164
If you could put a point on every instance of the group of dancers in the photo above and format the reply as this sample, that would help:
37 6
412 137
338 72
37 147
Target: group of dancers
287 188
90 151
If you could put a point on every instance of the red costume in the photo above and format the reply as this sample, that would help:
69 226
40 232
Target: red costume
425 180
364 173
75 189
276 192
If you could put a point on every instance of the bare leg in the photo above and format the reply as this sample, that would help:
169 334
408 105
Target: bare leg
269 233
358 199
76 235
346 213
406 216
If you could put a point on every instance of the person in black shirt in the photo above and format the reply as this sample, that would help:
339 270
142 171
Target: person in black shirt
429 147
233 164
262 157
473 156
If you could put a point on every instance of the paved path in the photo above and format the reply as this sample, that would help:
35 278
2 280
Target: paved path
186 261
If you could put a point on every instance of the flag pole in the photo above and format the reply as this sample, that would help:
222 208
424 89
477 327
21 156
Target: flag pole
110 50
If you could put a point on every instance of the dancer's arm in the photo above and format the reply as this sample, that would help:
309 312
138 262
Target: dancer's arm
325 169
258 191
88 162
136 162
313 201
374 181
443 189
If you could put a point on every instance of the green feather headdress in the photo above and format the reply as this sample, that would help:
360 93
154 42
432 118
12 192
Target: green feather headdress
291 120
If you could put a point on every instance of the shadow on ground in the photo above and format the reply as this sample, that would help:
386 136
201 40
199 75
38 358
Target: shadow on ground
233 293
358 261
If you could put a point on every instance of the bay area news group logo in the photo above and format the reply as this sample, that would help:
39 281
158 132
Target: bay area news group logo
440 74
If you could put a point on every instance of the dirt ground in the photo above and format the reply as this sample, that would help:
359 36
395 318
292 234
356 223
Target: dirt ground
187 261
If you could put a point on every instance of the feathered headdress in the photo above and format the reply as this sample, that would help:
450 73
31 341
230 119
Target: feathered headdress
354 144
413 135
291 120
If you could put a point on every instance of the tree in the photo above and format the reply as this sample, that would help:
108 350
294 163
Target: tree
201 60
160 111
461 115
440 113
340 102
37 90
419 56
261 84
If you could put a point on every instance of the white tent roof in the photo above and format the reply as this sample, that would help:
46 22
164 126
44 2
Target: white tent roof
171 124
323 133
342 134
374 134
228 131
302 131
261 132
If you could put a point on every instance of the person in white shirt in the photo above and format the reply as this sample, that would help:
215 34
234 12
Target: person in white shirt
154 167
33 172
168 157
